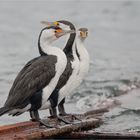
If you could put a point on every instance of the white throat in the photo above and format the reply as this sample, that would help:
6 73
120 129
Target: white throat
83 58
46 45
67 36
81 48
73 45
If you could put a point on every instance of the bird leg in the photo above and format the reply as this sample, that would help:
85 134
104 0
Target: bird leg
61 108
53 113
63 112
35 117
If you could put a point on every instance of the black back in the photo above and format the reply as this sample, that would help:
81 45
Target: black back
35 75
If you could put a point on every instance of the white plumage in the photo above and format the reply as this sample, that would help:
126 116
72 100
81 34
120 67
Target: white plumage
59 68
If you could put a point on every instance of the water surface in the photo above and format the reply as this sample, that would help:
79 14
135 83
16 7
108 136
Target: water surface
113 45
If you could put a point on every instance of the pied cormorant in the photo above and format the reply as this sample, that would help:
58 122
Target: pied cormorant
36 81
84 61
68 77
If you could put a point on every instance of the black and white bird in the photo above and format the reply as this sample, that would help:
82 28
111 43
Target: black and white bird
68 78
36 81
82 63
83 55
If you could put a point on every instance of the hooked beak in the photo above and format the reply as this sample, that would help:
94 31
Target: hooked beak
46 23
61 32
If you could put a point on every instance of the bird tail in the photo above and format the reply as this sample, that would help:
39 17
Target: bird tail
4 110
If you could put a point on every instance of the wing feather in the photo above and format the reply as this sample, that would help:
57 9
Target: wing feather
65 76
35 75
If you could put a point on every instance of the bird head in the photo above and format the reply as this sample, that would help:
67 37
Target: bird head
52 33
61 23
83 33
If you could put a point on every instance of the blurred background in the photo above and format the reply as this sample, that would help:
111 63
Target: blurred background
113 45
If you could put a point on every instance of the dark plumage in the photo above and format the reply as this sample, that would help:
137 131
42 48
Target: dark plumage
36 81
62 81
30 81
83 29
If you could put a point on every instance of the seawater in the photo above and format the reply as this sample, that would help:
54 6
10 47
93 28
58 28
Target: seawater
113 44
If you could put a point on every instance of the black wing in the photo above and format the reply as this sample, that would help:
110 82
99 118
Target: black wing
65 76
62 81
35 75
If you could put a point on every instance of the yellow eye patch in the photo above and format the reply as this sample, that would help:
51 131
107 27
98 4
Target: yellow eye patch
56 23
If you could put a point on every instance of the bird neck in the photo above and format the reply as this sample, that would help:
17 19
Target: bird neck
69 45
70 37
45 46
80 42
80 48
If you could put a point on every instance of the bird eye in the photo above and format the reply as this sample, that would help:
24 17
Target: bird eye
58 31
80 33
86 33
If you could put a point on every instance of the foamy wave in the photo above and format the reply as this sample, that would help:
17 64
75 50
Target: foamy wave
99 94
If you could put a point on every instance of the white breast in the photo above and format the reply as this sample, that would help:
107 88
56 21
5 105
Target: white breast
83 64
59 68
70 85
80 70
